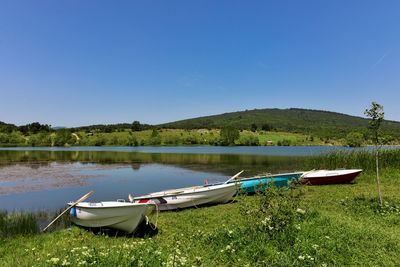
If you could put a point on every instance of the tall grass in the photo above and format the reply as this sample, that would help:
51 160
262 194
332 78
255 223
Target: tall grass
14 224
357 159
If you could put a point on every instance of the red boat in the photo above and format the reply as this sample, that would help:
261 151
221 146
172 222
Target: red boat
321 177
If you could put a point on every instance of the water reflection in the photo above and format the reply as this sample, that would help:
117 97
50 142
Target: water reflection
223 163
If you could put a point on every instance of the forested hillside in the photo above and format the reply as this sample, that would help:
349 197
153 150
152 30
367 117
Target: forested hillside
315 122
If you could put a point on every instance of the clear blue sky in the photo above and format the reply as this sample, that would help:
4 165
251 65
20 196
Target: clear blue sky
73 63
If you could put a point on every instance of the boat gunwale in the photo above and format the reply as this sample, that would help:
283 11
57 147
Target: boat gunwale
271 176
350 172
129 205
184 192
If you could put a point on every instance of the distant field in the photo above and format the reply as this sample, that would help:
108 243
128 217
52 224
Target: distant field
171 137
162 137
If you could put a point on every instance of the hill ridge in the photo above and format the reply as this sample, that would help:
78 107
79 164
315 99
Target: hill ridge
319 122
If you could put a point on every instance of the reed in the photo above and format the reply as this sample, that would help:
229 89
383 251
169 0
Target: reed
15 224
356 159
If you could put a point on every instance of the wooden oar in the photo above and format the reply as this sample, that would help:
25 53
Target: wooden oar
74 204
234 177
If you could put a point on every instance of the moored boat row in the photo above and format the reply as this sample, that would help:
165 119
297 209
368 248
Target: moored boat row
126 216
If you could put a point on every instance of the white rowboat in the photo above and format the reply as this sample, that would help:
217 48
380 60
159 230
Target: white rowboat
123 216
190 196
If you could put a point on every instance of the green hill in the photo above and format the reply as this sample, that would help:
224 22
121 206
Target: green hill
320 123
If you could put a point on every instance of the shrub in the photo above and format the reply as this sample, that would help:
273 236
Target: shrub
154 140
3 138
64 136
190 140
284 142
354 139
272 209
98 140
171 140
112 141
228 135
249 140
41 139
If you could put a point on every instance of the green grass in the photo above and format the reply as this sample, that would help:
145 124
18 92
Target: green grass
343 225
166 137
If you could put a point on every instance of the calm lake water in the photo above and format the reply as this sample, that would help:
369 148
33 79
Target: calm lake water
47 178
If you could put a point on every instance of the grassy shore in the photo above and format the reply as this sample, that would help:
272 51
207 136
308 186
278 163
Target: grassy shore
163 137
342 225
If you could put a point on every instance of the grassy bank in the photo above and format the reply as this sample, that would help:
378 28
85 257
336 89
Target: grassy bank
342 225
161 137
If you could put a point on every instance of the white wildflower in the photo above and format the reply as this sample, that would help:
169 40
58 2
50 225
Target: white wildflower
54 260
301 211
65 263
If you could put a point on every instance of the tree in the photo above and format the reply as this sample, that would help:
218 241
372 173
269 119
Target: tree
253 127
154 133
354 139
136 126
377 115
228 135
266 127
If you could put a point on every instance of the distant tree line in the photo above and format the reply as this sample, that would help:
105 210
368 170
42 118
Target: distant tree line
342 129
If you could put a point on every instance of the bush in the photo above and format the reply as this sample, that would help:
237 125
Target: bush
284 142
63 137
15 138
171 140
3 138
190 140
154 141
113 141
98 140
41 139
273 209
228 135
249 140
212 140
354 139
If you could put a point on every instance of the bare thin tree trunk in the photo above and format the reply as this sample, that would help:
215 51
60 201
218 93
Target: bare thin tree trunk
377 174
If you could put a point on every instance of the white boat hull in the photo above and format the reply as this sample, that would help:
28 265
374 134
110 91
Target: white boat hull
123 216
190 197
